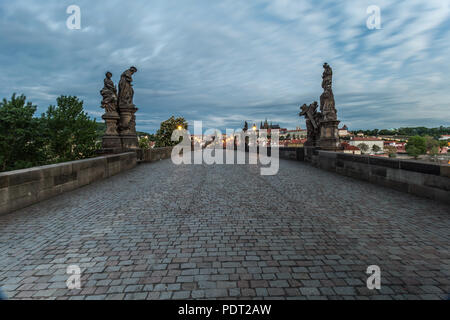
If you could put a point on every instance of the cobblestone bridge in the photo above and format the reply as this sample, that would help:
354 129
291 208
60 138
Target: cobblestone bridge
162 231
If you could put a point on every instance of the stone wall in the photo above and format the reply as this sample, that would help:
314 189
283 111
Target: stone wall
22 188
423 179
156 154
292 153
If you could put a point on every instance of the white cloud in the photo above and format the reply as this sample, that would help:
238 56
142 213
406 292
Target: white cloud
222 60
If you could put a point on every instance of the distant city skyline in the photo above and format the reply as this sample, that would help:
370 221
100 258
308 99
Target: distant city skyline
226 62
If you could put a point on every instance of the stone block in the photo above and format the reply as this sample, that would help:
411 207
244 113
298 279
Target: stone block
300 154
359 158
4 180
4 195
445 172
378 171
112 159
344 156
64 178
384 162
26 190
438 182
24 176
421 167
328 154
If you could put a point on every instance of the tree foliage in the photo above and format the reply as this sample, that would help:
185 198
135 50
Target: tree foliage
144 143
432 145
415 131
363 147
416 146
21 143
164 134
71 133
63 133
391 151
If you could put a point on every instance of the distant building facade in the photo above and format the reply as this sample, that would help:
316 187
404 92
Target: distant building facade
343 132
369 141
347 148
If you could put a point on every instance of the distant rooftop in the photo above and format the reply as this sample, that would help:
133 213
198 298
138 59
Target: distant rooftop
366 139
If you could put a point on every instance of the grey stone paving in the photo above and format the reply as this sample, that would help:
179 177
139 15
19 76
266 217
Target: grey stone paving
162 231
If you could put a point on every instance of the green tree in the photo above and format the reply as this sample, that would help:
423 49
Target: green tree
21 140
72 134
416 146
432 145
443 143
376 148
164 134
391 151
363 147
144 143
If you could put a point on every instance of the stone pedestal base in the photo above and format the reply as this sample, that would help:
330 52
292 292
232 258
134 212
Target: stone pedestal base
127 128
111 142
129 142
329 135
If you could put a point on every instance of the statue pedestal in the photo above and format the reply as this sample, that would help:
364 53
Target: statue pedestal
127 128
129 142
329 135
111 140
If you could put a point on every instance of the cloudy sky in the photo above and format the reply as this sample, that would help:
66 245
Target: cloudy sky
224 62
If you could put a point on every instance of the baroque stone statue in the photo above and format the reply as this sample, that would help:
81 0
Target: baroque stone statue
327 103
313 119
127 109
111 139
126 91
120 114
322 126
109 94
245 129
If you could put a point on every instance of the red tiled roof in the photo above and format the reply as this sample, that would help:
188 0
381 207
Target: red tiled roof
346 146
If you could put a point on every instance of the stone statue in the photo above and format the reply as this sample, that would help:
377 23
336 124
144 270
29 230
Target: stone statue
126 91
327 76
322 126
245 127
313 119
111 139
127 109
109 94
119 114
327 103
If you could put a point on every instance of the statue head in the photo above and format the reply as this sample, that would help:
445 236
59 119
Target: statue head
133 69
304 110
108 75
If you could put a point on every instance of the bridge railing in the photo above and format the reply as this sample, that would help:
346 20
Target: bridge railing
424 179
21 188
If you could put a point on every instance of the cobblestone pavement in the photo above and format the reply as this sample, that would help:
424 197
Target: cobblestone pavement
162 231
